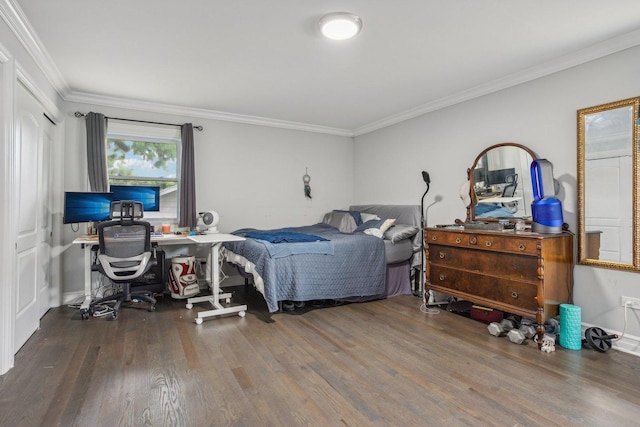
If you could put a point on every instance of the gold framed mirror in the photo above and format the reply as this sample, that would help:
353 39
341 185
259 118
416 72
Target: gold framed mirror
500 183
608 210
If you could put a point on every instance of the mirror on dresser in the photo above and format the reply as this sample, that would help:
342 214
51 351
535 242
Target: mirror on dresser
608 202
500 183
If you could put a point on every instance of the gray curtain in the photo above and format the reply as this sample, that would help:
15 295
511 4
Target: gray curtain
97 152
187 214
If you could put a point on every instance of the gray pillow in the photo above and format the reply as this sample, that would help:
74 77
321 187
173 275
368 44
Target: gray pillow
343 221
400 231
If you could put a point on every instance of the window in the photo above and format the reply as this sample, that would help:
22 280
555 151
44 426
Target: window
140 154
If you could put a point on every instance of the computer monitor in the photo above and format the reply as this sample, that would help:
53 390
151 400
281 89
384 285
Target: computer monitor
479 175
148 195
86 207
499 176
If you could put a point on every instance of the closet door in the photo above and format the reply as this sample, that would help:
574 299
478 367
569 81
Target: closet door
33 223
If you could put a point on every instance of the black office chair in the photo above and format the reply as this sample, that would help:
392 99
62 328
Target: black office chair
509 191
511 178
124 255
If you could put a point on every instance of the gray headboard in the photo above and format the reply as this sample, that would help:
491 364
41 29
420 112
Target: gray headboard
404 214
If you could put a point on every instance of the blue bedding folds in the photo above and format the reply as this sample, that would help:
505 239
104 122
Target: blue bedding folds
287 241
283 235
356 266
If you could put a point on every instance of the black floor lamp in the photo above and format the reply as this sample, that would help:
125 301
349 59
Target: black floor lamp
427 180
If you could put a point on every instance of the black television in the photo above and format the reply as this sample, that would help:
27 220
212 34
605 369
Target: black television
499 176
86 207
148 195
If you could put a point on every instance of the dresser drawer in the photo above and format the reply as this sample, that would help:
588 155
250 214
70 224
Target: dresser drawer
507 265
502 290
486 241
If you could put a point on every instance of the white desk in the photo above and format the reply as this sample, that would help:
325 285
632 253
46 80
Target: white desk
490 200
213 240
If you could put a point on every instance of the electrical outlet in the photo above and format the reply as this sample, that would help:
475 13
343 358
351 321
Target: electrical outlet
630 302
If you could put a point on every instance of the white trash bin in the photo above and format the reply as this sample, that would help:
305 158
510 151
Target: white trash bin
183 281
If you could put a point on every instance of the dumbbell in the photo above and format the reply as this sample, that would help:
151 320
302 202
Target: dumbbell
518 336
552 326
508 327
526 331
501 329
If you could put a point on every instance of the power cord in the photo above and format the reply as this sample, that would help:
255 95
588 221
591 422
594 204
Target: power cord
624 329
424 308
102 310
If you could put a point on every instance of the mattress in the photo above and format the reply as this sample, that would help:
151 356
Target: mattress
398 252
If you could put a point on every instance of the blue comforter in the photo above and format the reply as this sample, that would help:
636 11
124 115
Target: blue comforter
356 267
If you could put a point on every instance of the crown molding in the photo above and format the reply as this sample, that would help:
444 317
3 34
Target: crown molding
107 101
591 53
19 24
26 80
15 18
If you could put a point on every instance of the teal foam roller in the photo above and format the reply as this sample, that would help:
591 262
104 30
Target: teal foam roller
570 326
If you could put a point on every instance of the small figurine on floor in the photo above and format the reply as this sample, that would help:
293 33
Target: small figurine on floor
307 188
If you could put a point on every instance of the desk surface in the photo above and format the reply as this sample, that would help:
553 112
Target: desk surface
173 239
499 199
215 238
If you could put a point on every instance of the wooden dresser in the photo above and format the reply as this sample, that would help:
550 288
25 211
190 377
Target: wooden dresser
519 272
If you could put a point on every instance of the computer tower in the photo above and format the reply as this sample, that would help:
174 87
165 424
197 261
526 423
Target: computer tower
154 280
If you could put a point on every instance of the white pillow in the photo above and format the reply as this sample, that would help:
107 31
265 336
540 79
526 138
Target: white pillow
387 224
367 216
374 232
379 232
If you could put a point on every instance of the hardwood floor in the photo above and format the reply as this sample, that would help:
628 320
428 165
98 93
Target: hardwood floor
378 363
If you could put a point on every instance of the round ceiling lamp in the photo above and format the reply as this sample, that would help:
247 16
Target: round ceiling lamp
340 25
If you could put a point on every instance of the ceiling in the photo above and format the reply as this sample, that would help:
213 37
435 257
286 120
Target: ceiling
264 60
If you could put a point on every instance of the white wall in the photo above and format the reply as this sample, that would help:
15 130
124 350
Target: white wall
251 175
540 114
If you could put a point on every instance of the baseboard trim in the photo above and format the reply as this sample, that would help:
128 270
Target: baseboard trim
627 344
72 297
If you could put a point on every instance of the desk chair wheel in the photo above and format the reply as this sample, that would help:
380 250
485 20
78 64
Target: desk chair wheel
113 316
152 308
198 320
84 314
189 306
241 313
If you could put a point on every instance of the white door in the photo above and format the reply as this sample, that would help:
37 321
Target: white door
33 215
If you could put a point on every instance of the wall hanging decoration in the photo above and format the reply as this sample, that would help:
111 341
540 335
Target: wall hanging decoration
307 188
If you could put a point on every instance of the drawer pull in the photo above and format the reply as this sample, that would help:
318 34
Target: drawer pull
458 240
521 246
434 237
488 243
473 240
442 277
442 254
514 295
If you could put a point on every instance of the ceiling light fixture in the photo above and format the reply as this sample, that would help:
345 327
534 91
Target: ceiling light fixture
340 25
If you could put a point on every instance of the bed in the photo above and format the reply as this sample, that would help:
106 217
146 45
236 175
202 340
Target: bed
366 252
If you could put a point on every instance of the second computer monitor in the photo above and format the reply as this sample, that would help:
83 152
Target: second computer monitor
148 195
